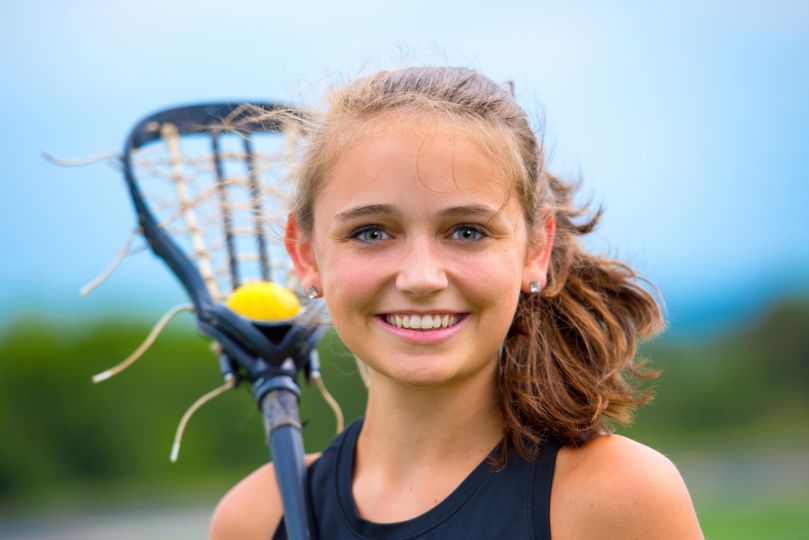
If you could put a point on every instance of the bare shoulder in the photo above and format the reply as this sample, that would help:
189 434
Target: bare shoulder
613 487
252 508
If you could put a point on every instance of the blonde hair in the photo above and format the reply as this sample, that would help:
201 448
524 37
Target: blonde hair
568 360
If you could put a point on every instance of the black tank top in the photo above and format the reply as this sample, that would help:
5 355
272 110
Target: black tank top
512 503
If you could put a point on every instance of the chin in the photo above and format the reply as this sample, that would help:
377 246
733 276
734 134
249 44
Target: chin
428 372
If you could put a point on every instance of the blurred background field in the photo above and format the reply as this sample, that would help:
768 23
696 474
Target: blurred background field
732 411
688 121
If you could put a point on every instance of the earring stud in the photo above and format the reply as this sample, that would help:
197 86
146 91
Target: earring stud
534 287
311 292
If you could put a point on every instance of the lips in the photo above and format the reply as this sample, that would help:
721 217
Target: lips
416 321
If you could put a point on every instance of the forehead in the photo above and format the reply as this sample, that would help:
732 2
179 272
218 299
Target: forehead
420 157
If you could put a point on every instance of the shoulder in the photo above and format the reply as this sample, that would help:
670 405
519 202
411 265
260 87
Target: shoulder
252 508
613 487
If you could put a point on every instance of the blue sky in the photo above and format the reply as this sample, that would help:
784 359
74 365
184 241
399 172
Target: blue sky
688 122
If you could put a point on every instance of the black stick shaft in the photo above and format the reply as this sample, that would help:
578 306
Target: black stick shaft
281 421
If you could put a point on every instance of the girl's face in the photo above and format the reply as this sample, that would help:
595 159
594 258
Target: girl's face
420 251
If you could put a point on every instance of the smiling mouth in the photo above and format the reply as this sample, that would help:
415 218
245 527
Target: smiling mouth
415 321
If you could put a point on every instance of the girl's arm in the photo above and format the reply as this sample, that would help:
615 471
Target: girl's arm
252 509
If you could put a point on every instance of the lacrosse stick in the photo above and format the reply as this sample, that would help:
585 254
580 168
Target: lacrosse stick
207 183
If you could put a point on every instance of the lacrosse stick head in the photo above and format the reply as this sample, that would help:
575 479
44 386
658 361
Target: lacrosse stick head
209 183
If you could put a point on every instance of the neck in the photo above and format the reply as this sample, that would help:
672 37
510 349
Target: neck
409 425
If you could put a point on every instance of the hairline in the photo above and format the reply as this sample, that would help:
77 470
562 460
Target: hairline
494 138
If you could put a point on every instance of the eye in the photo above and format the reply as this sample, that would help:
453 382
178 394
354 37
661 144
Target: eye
468 233
370 234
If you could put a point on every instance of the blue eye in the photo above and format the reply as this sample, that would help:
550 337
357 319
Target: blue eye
467 233
370 235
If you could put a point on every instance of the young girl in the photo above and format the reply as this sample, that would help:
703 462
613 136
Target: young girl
497 348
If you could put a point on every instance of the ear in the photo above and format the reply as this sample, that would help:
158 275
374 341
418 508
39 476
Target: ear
538 257
299 247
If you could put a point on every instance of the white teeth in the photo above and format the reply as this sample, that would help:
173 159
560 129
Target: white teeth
421 322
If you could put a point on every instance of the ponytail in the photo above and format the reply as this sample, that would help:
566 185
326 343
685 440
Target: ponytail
568 361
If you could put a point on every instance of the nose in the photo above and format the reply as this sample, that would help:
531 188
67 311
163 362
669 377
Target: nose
422 270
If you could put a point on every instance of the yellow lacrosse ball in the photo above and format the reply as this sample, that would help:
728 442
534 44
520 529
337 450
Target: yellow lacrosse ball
264 301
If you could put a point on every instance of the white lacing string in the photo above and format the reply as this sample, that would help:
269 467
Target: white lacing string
106 156
335 407
230 382
161 324
171 138
102 277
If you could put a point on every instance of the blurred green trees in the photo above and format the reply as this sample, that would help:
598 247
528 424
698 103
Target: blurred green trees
62 435
745 387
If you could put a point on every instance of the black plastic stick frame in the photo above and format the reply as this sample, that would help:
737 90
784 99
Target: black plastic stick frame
271 365
214 320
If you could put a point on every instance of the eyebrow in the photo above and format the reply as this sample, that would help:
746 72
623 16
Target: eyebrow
473 210
366 210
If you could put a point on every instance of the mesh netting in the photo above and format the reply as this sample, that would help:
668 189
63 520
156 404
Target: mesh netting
222 197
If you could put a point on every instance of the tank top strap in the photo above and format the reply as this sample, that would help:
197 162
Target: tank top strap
543 480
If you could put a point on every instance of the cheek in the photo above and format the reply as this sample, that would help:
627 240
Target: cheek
494 277
350 281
